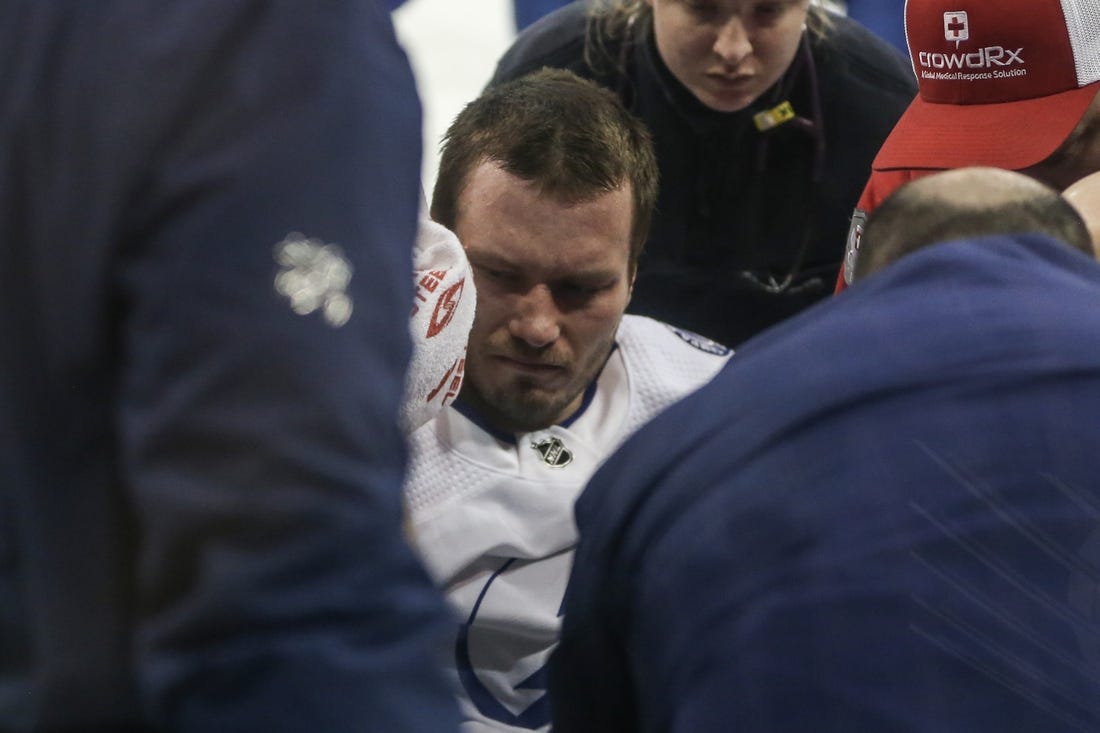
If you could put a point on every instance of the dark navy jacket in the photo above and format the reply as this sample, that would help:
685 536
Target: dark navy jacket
199 509
736 206
882 516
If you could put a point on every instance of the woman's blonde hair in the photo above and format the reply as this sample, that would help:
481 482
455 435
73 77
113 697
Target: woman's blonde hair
613 21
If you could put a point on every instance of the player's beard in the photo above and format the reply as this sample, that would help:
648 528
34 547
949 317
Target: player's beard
521 404
524 406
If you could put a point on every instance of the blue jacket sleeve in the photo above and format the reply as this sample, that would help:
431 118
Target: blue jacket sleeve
265 289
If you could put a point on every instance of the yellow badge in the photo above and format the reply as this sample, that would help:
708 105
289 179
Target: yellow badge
773 117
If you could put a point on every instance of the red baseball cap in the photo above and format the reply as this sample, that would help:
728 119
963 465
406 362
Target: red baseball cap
1002 83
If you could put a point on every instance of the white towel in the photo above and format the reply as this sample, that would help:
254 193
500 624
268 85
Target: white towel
442 314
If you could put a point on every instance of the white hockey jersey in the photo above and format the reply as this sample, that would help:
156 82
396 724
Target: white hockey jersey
492 517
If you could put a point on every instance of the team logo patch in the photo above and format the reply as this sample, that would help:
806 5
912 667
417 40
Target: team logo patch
314 276
553 452
701 342
956 26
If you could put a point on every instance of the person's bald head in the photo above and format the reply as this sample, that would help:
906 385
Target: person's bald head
965 203
1084 196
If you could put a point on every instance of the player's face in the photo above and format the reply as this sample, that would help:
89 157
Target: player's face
553 280
728 52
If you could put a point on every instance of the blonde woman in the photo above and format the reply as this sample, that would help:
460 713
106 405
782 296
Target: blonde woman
766 115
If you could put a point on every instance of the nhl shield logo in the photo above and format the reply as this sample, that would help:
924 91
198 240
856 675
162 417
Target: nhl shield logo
553 452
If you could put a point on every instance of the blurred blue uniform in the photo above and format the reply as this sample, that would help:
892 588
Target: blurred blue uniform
528 11
886 18
199 518
883 515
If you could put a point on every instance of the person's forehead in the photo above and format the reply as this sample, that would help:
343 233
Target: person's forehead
509 220
738 6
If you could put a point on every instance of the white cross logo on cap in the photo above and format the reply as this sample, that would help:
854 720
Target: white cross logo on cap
956 27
